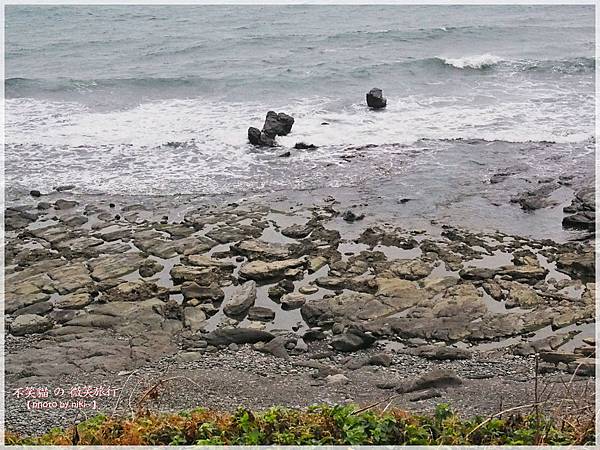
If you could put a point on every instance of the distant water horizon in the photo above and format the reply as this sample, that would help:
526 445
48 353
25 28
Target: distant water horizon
94 94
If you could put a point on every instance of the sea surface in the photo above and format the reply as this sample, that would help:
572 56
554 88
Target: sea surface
156 100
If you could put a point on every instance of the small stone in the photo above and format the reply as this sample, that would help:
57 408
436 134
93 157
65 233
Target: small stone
35 193
339 378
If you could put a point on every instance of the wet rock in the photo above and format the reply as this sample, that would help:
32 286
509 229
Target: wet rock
308 290
297 231
225 336
65 204
293 301
261 271
211 293
261 314
314 334
350 216
277 124
35 193
17 219
260 139
241 300
437 378
375 99
303 146
583 220
352 341
74 301
29 324
280 289
285 154
255 249
314 264
150 267
578 264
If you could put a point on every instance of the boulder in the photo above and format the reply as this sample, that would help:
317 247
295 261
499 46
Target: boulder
352 341
350 216
193 318
292 301
375 99
260 270
437 378
260 139
261 314
241 300
212 293
225 336
277 124
30 324
74 301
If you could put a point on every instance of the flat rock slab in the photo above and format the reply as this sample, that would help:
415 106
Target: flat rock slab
260 270
112 266
226 336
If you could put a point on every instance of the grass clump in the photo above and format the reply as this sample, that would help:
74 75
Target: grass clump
317 425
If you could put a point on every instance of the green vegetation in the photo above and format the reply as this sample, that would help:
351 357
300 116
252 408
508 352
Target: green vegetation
318 425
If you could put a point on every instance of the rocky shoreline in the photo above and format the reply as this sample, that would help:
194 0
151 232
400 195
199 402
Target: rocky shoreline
283 302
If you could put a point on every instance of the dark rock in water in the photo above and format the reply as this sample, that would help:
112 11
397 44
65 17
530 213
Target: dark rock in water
225 336
352 341
584 208
350 216
437 378
66 187
35 193
303 146
585 220
256 137
261 314
285 155
65 204
375 99
277 124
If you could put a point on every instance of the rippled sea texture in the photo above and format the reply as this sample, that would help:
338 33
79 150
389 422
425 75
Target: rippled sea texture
94 94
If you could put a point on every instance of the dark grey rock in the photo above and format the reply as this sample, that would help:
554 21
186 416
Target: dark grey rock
375 99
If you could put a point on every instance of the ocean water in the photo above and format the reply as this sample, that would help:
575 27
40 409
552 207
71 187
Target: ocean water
157 99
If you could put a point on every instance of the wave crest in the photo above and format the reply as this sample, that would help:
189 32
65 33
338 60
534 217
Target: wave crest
473 62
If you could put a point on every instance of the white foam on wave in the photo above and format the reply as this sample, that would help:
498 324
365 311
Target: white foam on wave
552 117
473 62
51 143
